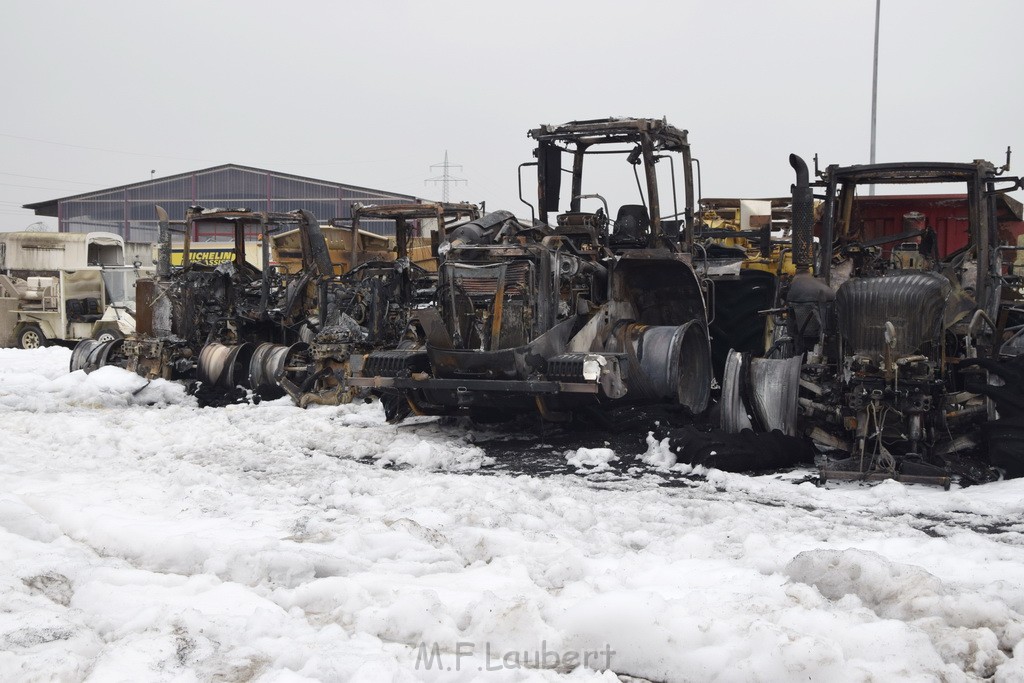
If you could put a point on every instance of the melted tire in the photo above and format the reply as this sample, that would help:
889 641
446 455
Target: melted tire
1005 441
746 451
737 324
396 408
1004 438
208 396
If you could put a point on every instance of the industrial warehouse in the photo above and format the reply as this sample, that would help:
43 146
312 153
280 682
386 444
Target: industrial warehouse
128 210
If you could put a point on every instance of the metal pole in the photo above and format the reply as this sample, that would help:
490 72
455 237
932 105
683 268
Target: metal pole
874 92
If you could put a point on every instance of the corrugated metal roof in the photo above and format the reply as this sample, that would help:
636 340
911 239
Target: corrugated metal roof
49 207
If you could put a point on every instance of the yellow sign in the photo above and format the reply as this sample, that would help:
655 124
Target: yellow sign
204 256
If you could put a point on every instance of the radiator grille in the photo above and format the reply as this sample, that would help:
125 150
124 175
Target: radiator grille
477 281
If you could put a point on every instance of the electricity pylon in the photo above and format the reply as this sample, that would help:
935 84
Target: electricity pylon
446 179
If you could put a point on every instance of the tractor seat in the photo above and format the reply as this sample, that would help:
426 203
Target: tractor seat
632 225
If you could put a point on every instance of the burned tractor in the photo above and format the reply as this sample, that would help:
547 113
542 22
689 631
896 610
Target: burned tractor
228 325
591 312
883 354
369 307
747 249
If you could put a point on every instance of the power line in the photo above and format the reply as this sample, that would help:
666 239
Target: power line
33 187
446 178
56 180
204 161
103 149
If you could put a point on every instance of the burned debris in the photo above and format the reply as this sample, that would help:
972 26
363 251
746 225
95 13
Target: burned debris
887 342
325 296
370 306
231 325
745 251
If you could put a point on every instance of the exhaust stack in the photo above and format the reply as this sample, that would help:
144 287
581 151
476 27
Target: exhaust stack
163 258
153 310
803 216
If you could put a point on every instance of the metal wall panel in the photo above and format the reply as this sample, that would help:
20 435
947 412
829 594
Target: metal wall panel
130 212
883 215
232 189
89 215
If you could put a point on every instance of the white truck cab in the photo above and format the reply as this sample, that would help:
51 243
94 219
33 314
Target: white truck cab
64 287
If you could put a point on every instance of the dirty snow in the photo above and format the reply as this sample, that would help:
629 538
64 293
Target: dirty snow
143 538
591 459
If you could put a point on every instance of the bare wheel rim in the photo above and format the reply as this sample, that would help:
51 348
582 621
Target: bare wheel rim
30 339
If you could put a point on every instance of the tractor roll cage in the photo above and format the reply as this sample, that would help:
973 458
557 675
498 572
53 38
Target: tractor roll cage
651 137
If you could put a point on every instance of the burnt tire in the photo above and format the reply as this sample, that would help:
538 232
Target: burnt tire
31 337
746 451
396 408
737 324
1005 444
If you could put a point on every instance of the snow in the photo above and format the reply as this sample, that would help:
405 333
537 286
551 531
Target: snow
144 538
591 459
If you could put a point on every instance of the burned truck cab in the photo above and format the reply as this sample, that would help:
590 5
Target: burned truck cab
551 319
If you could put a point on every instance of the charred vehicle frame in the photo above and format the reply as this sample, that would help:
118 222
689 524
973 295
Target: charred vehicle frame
369 307
885 356
230 325
587 313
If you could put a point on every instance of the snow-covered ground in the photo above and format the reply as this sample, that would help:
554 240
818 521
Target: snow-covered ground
142 538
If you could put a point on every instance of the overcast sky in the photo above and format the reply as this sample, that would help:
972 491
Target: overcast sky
99 93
